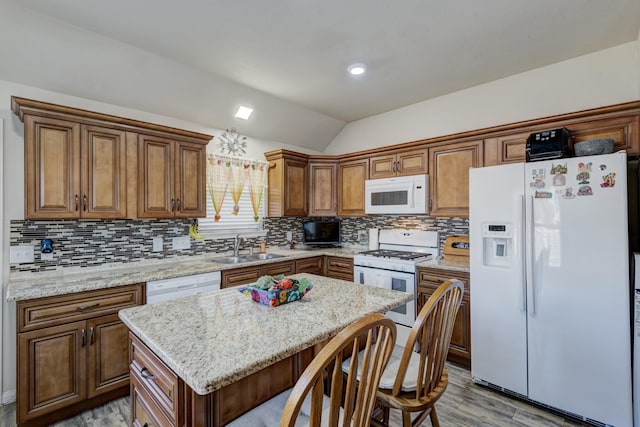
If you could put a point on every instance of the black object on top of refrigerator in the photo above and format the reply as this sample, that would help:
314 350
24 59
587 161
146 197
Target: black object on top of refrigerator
549 144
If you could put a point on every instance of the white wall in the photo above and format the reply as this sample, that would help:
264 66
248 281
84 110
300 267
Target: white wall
13 188
607 77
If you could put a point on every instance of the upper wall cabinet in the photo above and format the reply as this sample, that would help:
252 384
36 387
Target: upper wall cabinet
288 183
412 162
73 171
323 198
351 177
82 164
449 180
172 178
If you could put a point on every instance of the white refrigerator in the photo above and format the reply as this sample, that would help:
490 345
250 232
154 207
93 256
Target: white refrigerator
550 294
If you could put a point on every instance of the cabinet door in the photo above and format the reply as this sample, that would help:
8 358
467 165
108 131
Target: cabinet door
449 183
52 168
108 345
104 172
190 180
295 188
623 130
309 265
339 268
155 177
351 177
323 197
382 166
412 162
51 369
145 412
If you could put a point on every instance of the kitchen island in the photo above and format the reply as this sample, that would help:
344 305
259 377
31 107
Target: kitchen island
206 359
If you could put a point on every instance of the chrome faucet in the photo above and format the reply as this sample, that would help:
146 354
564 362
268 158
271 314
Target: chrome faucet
236 244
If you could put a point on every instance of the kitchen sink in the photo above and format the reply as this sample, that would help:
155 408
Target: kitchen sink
232 260
265 256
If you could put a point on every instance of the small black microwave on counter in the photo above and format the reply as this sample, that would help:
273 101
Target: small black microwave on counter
549 144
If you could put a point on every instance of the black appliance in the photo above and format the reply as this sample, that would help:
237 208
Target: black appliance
549 144
321 233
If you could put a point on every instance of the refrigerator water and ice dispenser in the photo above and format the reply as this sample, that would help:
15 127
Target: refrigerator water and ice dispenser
498 244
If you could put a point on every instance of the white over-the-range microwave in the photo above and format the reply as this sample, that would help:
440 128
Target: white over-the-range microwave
398 195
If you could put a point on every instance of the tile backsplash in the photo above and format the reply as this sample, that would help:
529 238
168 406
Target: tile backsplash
92 243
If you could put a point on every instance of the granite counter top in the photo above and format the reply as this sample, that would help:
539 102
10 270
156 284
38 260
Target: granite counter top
70 280
213 339
442 264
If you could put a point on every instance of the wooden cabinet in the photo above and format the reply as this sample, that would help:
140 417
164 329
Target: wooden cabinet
449 180
323 198
73 171
246 275
171 176
339 268
411 162
72 353
351 177
83 164
310 265
428 281
288 183
505 149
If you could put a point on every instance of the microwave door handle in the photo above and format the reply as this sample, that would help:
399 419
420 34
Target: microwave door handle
412 195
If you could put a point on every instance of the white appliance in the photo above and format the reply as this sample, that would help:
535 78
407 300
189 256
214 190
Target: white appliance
636 341
168 289
399 195
550 284
393 266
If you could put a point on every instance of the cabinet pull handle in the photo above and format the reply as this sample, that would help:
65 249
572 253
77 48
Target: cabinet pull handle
91 335
84 202
145 375
173 205
77 203
179 205
86 307
84 338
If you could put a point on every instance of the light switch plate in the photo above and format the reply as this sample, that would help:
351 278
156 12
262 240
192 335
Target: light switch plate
289 235
157 244
183 242
20 254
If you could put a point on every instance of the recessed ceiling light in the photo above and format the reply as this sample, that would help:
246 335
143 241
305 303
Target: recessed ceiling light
244 112
357 69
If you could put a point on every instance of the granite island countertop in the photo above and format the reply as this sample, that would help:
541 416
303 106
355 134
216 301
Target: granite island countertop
444 264
214 339
25 286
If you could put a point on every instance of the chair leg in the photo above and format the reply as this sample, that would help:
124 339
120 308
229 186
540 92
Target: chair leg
385 414
406 419
434 418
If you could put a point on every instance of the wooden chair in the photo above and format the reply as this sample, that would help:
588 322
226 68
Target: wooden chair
421 378
414 380
307 403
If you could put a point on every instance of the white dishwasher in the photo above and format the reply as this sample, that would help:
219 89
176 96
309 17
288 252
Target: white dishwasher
168 289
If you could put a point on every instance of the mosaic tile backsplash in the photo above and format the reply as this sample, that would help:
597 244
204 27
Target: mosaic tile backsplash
92 243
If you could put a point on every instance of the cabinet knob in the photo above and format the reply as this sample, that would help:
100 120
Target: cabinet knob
91 335
84 337
173 205
84 202
179 205
77 203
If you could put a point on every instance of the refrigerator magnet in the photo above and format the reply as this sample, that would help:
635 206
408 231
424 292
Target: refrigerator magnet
608 180
603 167
559 180
584 173
543 194
585 190
568 193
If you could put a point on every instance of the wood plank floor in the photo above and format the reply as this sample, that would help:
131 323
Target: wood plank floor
464 404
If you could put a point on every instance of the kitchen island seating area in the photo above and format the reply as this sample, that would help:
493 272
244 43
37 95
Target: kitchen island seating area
307 403
414 380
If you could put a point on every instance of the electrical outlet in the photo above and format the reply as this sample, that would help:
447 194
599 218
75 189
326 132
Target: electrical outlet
289 235
157 244
183 242
20 254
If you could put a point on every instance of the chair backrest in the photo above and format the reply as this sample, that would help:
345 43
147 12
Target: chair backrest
431 332
359 396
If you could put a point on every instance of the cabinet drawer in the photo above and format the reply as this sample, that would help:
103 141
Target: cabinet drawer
309 265
58 310
240 276
144 410
287 268
156 377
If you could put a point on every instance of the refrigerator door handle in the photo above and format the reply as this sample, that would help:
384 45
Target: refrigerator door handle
531 276
523 255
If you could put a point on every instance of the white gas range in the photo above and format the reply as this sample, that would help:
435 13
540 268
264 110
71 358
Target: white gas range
393 265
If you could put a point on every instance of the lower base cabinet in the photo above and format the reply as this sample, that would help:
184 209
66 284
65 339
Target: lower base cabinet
428 281
72 353
339 268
